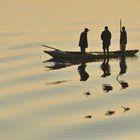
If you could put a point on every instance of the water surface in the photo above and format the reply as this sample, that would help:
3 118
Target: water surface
63 101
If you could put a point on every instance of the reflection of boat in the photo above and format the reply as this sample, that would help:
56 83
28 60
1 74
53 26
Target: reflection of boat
87 56
55 64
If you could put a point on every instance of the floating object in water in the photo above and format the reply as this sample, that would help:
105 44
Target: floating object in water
107 87
88 116
109 113
126 108
87 93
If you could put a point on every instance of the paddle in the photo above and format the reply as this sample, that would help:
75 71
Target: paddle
53 48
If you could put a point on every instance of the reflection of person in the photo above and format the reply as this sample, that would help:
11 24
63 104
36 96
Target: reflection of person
83 42
105 67
83 74
123 66
106 38
123 39
123 69
106 72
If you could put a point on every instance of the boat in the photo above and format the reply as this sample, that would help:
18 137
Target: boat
73 55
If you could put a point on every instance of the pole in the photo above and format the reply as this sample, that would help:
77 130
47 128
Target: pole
120 25
120 30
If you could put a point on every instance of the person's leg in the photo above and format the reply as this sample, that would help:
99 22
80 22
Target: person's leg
104 49
124 47
82 50
107 50
120 47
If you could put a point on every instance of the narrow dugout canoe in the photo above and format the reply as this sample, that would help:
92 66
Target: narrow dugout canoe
88 56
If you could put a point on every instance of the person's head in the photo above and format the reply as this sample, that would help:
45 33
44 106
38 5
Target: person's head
86 29
123 28
106 28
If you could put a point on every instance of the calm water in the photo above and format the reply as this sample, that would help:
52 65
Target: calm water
61 101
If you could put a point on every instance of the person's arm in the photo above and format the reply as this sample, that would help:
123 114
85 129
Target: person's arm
126 37
80 40
110 35
102 35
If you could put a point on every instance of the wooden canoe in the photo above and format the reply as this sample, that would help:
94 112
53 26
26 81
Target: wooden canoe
87 56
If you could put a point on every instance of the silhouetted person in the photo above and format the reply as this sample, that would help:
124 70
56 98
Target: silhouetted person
83 74
83 42
105 67
123 39
106 38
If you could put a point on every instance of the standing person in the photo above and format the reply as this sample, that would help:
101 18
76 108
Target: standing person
106 38
123 39
83 42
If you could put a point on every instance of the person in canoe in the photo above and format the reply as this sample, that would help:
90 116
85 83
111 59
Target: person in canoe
83 42
123 39
106 38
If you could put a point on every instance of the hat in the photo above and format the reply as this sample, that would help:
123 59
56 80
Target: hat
86 29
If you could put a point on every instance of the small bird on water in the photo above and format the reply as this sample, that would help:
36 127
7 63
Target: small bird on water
126 108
